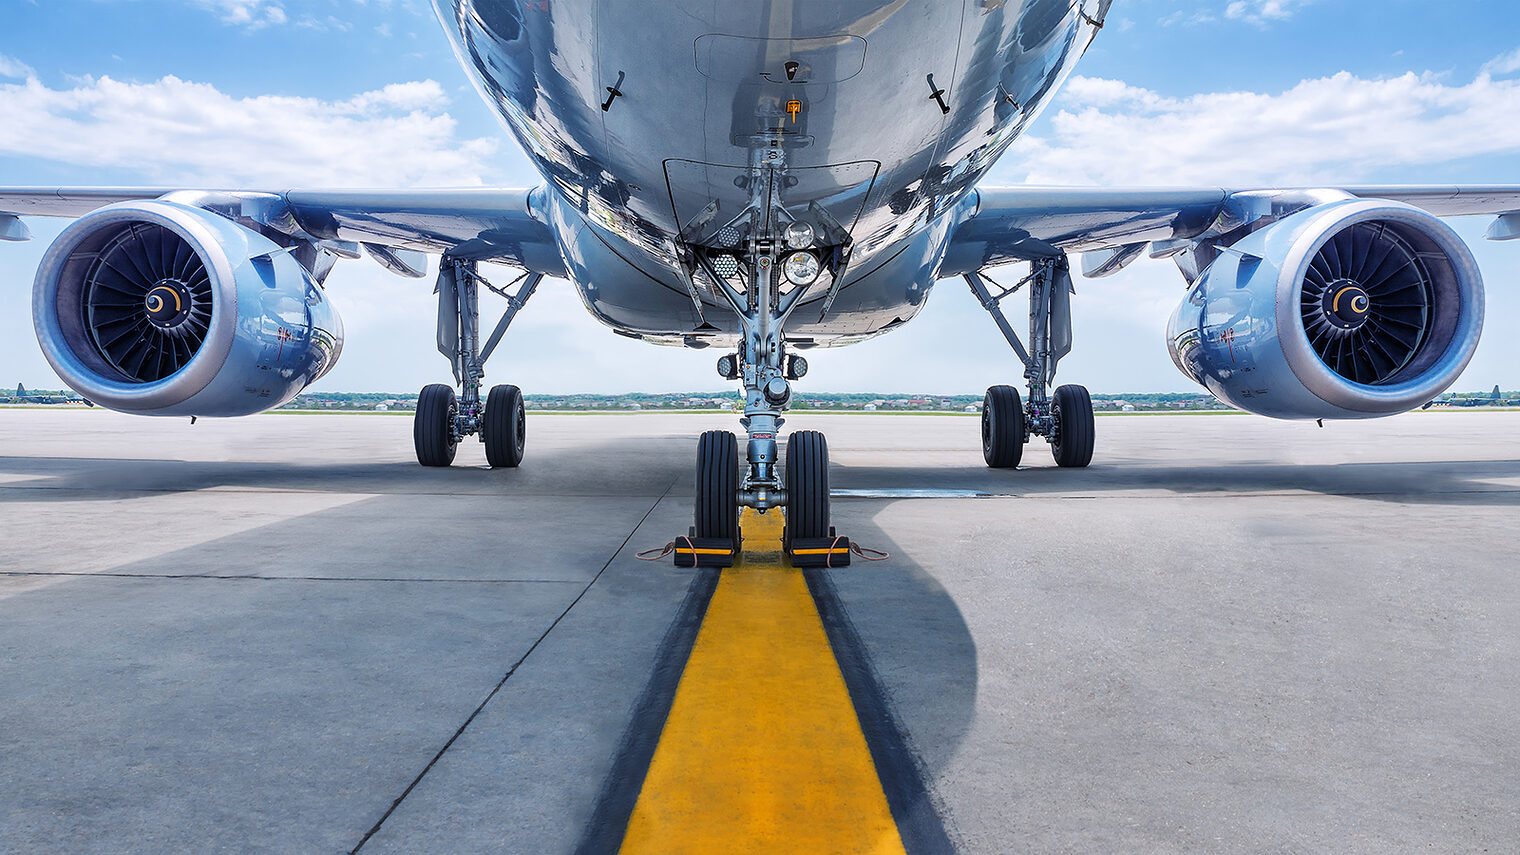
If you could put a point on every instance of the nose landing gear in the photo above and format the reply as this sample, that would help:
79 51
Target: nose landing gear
763 262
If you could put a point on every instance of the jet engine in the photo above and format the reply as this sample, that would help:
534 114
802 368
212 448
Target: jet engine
157 308
1345 310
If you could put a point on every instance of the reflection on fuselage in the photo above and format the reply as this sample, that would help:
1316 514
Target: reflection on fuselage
638 113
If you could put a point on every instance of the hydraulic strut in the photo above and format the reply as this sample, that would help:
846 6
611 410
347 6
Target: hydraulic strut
1049 282
458 290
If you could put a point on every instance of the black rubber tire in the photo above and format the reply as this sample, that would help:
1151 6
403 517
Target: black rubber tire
807 485
1002 427
504 427
433 425
1076 428
716 510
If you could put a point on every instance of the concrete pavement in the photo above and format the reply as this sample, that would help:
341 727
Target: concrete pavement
279 634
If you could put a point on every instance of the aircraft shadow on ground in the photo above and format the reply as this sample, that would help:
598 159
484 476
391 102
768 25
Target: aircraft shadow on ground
1444 483
650 465
919 647
635 466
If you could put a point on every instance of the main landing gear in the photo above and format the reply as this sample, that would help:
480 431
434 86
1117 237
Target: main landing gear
443 419
1065 419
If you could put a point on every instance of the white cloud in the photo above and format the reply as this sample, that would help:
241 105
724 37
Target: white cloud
331 22
1338 129
255 14
1262 12
1187 18
247 13
1507 64
180 132
11 67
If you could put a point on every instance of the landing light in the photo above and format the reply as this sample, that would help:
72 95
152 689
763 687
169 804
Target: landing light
799 235
725 265
800 268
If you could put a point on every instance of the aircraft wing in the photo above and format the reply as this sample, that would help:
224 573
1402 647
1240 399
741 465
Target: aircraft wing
480 223
1003 224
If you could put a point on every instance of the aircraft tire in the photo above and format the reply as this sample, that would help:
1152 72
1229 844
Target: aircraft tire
504 427
433 425
716 509
807 485
1002 427
1076 429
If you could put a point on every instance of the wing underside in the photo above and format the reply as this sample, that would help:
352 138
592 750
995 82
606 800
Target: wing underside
479 223
1004 224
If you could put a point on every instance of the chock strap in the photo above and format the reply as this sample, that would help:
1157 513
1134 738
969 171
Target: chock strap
875 554
856 549
648 554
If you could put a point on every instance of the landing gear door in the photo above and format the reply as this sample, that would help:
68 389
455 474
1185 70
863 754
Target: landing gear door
708 197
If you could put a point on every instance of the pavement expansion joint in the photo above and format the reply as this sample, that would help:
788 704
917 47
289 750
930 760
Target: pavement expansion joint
496 689
254 578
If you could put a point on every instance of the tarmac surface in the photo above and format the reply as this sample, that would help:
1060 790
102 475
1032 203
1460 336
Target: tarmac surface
280 634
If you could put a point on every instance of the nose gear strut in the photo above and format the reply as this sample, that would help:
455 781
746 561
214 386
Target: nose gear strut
755 244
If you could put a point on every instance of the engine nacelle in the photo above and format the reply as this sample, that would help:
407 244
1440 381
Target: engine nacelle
157 308
1347 310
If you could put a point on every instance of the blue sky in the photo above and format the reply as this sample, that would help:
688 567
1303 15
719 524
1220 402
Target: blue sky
367 92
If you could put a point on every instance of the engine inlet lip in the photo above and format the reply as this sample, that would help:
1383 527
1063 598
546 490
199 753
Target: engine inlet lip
87 373
1435 369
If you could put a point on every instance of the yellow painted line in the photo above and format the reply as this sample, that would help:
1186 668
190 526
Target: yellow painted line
762 751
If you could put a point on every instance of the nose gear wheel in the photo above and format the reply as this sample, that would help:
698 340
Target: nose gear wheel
807 485
716 506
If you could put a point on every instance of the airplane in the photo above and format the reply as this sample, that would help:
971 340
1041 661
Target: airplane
23 396
764 178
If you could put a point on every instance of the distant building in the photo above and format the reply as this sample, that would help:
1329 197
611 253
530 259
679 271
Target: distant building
973 408
381 408
870 408
1127 408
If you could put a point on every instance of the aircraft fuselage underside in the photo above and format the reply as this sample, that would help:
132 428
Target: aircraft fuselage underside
648 123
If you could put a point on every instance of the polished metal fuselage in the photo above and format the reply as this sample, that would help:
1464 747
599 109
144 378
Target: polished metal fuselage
641 114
